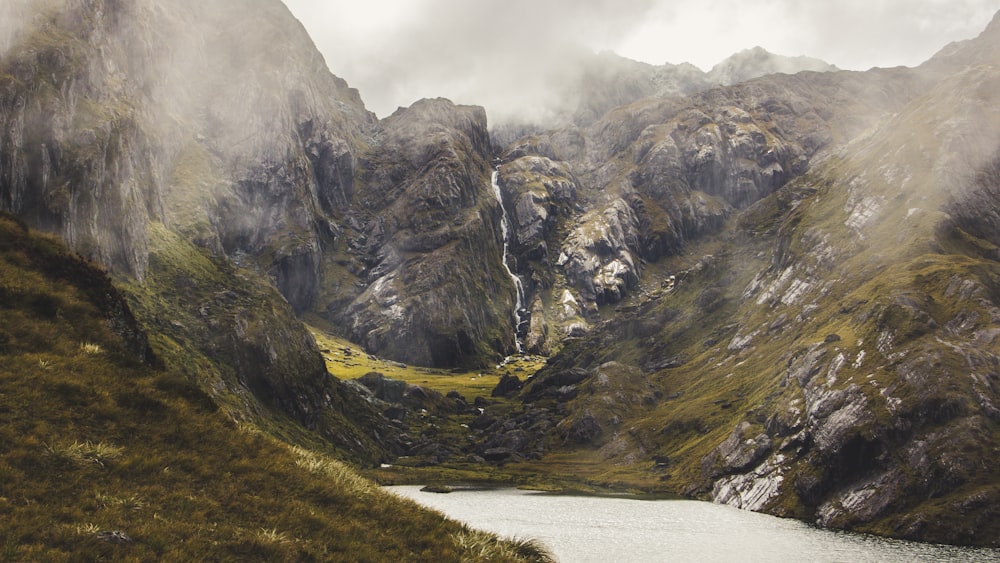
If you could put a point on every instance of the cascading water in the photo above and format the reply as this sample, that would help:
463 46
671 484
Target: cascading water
520 313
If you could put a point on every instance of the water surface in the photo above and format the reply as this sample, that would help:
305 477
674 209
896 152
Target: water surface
606 529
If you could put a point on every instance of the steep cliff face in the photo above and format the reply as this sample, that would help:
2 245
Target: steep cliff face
433 289
76 159
830 352
119 115
172 143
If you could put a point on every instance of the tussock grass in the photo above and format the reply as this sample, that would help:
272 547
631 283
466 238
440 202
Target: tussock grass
482 546
83 453
91 349
334 470
106 459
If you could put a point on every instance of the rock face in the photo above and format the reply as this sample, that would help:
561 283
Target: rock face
825 347
241 160
593 205
434 289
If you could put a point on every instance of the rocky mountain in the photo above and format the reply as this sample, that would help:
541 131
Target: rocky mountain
193 191
777 291
426 249
789 286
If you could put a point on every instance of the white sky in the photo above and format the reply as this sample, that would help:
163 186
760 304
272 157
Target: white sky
397 51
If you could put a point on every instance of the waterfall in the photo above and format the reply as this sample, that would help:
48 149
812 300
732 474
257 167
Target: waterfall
520 313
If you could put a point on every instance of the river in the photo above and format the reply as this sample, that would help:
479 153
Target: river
577 528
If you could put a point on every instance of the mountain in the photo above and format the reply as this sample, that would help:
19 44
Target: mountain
425 282
776 290
593 85
781 295
757 62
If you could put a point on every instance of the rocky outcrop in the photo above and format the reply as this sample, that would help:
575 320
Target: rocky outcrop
593 205
539 191
597 258
434 288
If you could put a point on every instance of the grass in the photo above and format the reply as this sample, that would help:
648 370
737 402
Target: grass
82 453
103 457
346 360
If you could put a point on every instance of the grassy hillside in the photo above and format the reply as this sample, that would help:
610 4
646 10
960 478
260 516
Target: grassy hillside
105 457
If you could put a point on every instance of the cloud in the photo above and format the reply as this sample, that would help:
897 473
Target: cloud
505 54
494 53
15 15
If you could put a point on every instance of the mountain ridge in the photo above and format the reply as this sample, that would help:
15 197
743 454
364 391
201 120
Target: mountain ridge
812 351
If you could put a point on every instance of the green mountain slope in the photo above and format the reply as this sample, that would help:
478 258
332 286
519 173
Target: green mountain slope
106 457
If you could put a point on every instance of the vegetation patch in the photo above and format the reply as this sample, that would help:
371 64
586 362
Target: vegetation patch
84 476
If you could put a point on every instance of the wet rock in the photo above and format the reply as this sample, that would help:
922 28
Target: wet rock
440 489
508 385
539 190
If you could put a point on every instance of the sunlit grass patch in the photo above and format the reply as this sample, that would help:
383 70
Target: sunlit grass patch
346 360
83 453
483 546
330 468
128 503
91 349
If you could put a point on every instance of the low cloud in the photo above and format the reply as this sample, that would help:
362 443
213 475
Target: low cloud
506 54
501 54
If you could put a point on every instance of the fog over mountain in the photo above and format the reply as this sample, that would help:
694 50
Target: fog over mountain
397 51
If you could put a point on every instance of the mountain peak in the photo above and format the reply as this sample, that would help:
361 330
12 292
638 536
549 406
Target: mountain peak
758 61
982 49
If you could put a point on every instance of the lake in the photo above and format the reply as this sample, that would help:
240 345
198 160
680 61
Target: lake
578 528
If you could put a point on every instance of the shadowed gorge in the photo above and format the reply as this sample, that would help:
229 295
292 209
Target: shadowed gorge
773 285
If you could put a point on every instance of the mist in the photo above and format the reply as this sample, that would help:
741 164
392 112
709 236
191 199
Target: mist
512 56
16 15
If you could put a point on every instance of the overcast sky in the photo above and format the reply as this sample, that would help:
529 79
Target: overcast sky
397 51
